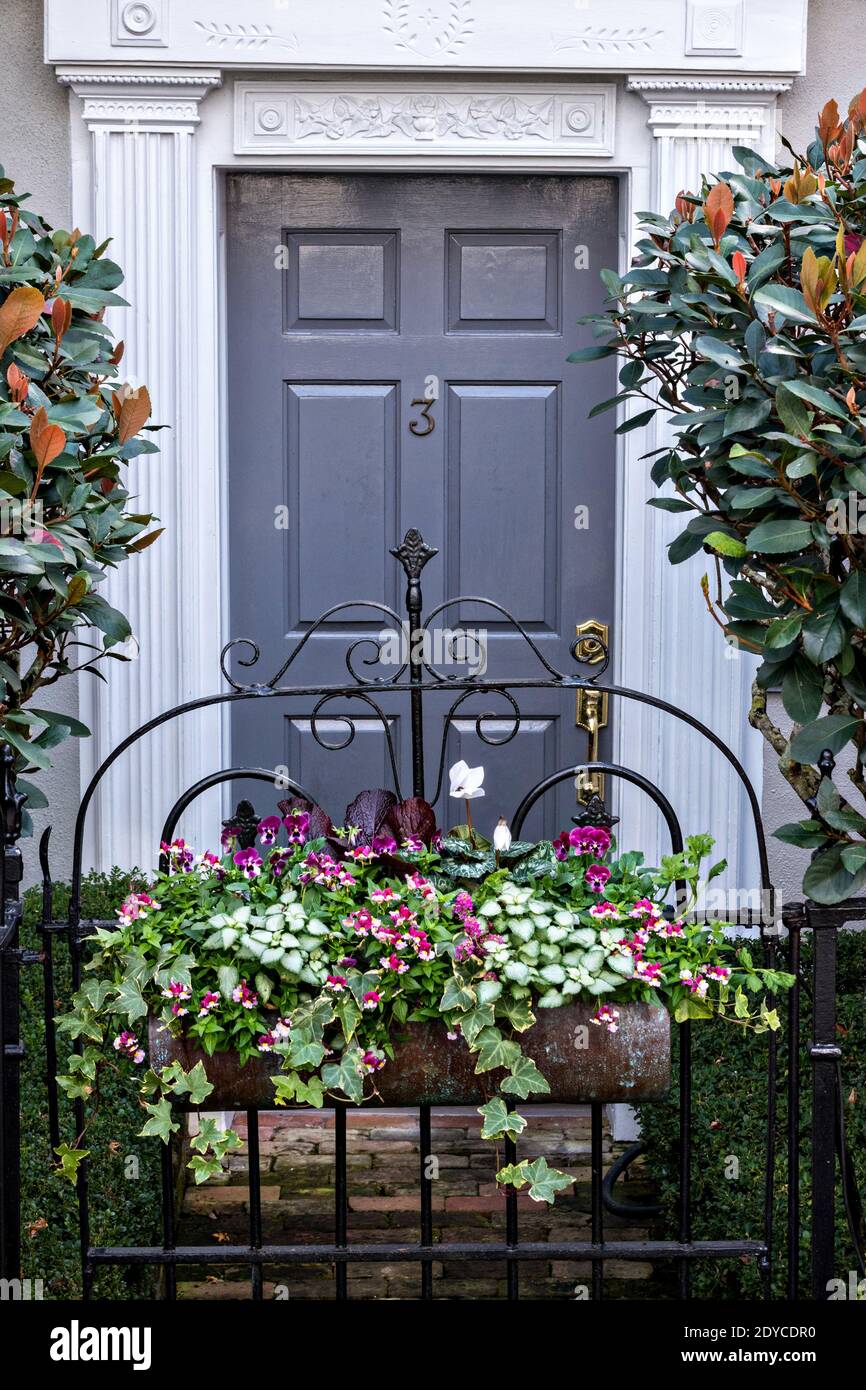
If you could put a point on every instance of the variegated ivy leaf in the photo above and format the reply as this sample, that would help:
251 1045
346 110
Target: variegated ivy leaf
525 1079
495 1051
159 1122
544 1181
499 1121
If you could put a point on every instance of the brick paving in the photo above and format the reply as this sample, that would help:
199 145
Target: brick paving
297 1175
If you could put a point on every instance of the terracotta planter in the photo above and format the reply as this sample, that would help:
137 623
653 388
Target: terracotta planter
631 1065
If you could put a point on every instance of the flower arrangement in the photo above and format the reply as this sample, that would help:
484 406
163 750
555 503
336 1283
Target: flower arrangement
319 943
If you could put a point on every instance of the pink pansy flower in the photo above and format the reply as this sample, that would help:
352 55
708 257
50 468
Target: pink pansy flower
384 844
669 928
209 1002
643 908
181 859
412 845
176 989
589 839
208 865
362 922
347 962
364 854
336 983
394 962
649 972
606 1016
268 830
281 1029
419 884
297 827
279 862
695 983
370 1062
384 895
228 838
597 875
606 910
267 1042
717 972
242 994
249 861
371 999
128 1044
135 906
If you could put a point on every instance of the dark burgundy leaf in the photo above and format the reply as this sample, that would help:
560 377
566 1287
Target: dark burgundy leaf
369 812
413 819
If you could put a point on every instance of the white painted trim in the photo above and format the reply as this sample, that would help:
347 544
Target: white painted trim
149 159
458 121
667 36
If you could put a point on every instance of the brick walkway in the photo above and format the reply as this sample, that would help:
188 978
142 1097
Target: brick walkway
297 1163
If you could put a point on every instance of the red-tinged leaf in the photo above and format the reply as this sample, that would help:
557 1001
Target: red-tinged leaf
144 541
132 410
829 125
46 440
61 317
740 265
19 313
718 210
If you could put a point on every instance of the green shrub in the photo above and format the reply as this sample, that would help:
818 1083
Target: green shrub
729 1089
124 1210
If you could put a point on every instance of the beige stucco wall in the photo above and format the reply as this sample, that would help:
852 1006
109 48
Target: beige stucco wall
34 148
34 151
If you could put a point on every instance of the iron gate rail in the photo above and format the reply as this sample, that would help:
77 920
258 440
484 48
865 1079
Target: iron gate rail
414 680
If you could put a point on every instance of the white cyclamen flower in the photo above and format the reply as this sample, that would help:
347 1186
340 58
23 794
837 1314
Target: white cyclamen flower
502 836
466 781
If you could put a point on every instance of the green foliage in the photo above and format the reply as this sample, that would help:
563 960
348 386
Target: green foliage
69 428
124 1172
729 1080
742 321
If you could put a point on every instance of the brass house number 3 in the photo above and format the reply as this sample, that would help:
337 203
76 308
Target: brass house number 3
426 424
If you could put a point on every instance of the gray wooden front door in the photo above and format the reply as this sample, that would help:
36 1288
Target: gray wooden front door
349 298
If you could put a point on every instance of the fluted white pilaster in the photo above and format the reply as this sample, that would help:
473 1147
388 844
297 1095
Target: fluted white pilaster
139 187
665 647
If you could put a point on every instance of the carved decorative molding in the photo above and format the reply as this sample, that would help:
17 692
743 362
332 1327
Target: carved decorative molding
316 118
127 96
632 41
725 109
497 36
715 27
770 86
136 24
244 38
428 31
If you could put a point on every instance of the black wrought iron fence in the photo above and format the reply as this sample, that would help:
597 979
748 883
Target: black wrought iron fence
414 681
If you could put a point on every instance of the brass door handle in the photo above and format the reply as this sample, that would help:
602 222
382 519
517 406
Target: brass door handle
591 709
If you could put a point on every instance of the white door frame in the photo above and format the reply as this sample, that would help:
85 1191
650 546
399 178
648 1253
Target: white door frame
159 114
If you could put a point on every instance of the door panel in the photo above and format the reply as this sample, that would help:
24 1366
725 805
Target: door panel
349 298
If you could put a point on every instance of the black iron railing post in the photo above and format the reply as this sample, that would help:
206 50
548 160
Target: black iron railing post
413 552
11 803
825 1053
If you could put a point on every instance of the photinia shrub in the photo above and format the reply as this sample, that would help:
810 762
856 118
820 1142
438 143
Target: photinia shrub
742 320
68 429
